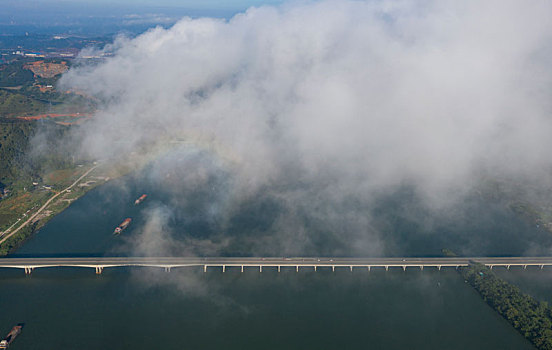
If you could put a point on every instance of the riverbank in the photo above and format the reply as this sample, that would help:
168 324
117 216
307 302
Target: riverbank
33 208
531 318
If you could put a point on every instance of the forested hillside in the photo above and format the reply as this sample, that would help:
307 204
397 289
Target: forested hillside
18 162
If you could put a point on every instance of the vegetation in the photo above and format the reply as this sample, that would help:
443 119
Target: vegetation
13 74
23 93
533 319
448 253
18 163
528 201
34 164
23 204
13 103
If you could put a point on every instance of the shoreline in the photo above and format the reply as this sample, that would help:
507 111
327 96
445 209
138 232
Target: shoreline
4 238
13 238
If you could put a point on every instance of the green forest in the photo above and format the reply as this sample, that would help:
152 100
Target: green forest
29 149
532 318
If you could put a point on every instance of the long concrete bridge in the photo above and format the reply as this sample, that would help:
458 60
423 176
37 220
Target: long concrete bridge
99 263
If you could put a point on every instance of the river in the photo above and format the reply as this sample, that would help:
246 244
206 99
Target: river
135 308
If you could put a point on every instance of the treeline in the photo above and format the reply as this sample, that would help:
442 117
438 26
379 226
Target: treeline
13 73
533 319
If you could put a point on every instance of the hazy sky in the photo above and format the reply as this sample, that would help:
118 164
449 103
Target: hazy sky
107 16
234 5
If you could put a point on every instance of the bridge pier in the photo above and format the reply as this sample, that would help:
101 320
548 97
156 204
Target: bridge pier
368 268
490 267
542 267
204 268
508 267
28 270
279 268
421 267
167 269
404 267
525 267
333 268
386 268
297 268
439 267
314 268
99 270
223 268
242 268
351 268
260 268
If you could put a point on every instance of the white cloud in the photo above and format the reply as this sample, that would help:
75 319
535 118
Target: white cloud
352 96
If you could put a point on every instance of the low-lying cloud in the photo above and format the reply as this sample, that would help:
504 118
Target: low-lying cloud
324 105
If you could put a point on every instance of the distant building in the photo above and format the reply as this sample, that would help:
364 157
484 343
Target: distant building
33 54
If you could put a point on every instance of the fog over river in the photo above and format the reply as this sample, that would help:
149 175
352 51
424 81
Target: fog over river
139 308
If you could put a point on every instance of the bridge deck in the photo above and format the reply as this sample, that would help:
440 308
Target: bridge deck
171 262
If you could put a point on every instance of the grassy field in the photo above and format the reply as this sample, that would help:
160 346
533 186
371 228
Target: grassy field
13 104
21 204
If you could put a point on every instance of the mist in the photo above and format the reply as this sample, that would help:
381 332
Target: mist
315 110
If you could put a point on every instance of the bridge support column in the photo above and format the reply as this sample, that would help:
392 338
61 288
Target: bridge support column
204 268
167 269
260 268
242 268
542 267
279 268
508 267
314 268
421 267
368 268
99 270
223 268
333 268
525 267
439 267
386 268
28 270
297 268
404 267
491 267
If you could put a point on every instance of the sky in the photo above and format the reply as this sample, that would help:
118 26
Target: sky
105 17
105 8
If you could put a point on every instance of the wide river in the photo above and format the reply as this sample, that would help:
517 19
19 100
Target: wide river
136 308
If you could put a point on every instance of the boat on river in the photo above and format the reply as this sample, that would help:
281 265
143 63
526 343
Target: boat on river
4 343
141 199
122 226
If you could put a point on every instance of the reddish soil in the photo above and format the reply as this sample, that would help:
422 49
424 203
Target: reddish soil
53 115
47 70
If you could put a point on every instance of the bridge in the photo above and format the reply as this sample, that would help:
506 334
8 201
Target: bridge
168 263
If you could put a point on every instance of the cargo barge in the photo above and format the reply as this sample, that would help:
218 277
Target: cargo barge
122 226
141 199
11 336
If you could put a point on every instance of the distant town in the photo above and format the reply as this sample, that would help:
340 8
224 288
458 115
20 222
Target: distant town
61 46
